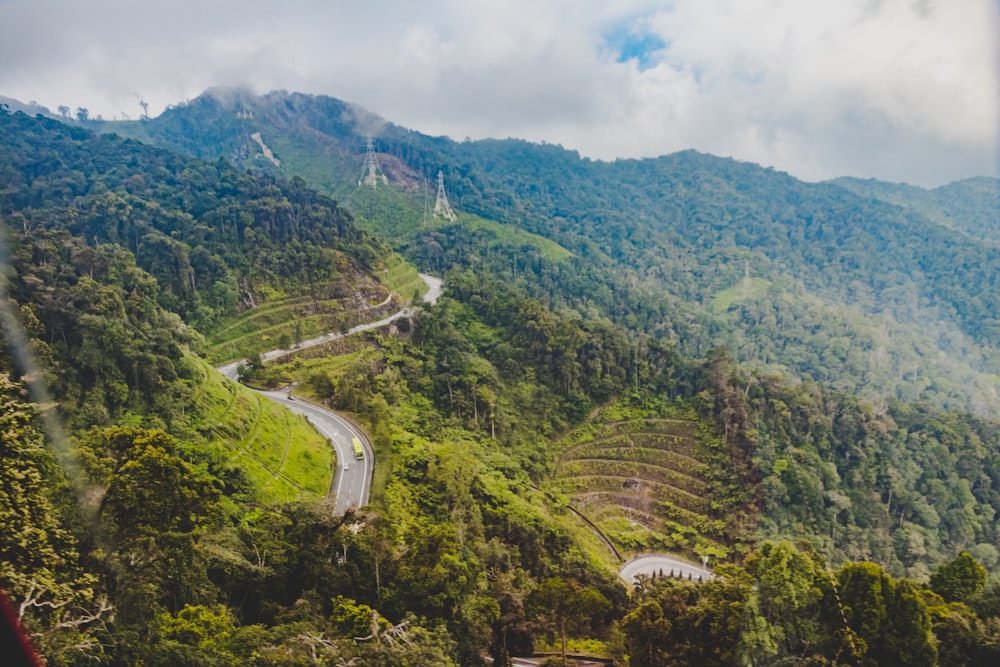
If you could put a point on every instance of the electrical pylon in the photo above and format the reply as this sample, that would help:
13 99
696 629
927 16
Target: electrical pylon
442 208
372 172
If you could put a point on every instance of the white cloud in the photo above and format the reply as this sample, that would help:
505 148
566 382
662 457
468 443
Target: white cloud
895 89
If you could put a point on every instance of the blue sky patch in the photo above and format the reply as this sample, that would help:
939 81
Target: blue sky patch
630 44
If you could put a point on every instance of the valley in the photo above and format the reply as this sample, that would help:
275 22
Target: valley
350 482
794 384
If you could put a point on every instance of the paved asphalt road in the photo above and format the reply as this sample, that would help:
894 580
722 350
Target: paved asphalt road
655 564
352 479
435 284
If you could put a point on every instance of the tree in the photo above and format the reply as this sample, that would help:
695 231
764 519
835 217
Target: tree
684 623
891 621
562 606
40 568
155 490
511 633
195 635
33 544
788 594
353 619
908 638
648 635
961 579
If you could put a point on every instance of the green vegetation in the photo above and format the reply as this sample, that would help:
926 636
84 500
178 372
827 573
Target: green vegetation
284 322
968 206
882 290
401 278
748 289
284 458
397 215
219 243
785 605
848 529
638 477
515 237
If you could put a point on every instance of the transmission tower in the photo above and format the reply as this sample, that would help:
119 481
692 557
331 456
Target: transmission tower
372 172
441 207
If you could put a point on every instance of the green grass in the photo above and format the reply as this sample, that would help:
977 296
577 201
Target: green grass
402 278
303 364
753 288
265 315
574 646
310 461
515 236
275 324
279 323
282 320
397 215
284 457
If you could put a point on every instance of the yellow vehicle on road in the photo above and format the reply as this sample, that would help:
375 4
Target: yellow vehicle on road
359 451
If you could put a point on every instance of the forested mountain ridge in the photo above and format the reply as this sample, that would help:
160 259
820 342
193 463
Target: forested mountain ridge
217 241
826 281
969 205
468 552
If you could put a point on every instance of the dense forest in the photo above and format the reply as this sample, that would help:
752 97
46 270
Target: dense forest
841 528
880 290
213 238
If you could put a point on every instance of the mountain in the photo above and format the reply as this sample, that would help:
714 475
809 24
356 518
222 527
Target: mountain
196 501
970 206
887 291
219 242
31 108
526 443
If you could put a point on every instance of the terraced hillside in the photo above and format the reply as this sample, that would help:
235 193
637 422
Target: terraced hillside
283 457
640 481
283 320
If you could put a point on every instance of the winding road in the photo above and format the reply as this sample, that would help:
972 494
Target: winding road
352 478
654 565
231 369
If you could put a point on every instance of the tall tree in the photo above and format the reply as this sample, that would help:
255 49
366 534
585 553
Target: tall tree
961 579
563 606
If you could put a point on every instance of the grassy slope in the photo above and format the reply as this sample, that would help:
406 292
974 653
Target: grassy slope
283 456
284 319
402 278
515 236
397 216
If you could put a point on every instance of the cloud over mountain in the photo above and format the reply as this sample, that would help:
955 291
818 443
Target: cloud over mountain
897 89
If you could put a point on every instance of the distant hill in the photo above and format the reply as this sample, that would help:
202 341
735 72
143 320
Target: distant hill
971 205
866 287
219 242
506 428
30 108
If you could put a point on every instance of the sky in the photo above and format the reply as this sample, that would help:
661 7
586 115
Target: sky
899 90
